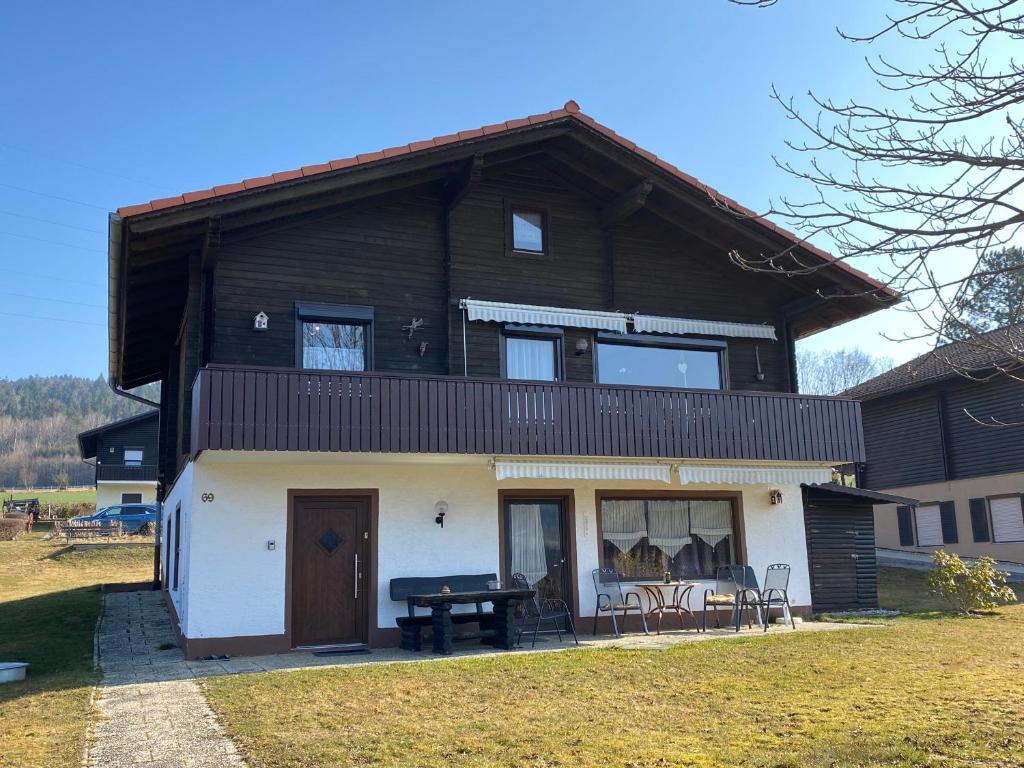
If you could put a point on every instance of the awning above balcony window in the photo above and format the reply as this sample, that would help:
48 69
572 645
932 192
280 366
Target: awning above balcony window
530 314
581 470
681 326
719 474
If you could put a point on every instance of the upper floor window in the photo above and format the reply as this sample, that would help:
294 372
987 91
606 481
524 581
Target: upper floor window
335 338
661 363
527 230
133 457
533 354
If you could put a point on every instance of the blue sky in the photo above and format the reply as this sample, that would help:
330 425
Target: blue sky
113 104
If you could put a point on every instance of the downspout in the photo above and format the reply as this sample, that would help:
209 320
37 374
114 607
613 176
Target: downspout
115 295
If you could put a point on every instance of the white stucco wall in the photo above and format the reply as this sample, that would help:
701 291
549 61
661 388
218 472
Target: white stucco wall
236 585
109 493
180 493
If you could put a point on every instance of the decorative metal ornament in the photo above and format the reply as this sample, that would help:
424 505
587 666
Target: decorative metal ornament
329 541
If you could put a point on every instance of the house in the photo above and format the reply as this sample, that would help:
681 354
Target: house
521 348
125 454
930 431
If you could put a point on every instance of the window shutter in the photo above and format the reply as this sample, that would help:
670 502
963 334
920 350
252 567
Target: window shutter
906 527
1007 519
979 520
947 510
929 526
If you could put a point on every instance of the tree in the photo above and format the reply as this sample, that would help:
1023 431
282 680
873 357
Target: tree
995 301
832 372
63 479
929 172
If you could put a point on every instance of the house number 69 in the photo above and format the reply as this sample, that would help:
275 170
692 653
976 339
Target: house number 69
207 497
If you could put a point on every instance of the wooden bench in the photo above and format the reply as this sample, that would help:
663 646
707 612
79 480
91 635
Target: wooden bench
88 530
413 624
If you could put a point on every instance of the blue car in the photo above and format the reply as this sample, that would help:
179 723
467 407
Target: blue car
134 518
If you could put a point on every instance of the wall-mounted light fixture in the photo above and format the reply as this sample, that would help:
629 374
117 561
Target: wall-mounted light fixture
775 496
260 322
440 510
582 345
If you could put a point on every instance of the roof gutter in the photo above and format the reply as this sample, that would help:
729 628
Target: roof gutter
115 230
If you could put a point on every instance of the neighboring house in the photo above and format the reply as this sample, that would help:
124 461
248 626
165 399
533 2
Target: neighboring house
522 348
924 440
125 454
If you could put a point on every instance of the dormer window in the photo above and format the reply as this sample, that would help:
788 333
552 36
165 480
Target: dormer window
527 228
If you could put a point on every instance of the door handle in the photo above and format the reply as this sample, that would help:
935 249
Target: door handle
356 579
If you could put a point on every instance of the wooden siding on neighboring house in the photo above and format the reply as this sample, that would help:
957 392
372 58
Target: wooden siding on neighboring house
903 440
929 435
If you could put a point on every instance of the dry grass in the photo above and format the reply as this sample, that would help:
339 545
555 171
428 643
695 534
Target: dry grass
945 692
49 602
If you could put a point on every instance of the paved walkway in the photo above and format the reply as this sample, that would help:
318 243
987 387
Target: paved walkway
152 713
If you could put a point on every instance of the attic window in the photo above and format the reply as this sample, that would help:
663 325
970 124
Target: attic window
527 227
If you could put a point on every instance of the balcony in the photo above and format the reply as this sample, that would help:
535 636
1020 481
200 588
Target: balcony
273 409
126 473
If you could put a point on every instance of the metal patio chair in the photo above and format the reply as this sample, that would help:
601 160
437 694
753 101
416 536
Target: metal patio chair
735 588
774 593
612 598
538 610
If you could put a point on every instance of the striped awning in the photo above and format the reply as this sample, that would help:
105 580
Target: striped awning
682 326
581 470
530 314
720 474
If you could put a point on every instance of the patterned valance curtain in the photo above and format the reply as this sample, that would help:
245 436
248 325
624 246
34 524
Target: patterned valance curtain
527 542
668 525
711 521
623 522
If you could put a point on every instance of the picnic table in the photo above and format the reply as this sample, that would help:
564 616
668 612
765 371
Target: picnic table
502 631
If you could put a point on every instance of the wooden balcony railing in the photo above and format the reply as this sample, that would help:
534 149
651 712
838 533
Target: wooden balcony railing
269 409
126 472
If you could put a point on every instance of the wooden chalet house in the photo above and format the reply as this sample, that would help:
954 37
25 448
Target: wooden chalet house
930 433
521 348
124 453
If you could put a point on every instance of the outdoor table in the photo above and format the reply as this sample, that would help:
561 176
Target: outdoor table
680 599
503 621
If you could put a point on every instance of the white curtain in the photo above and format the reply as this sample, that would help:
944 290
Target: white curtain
668 525
623 523
530 359
711 521
527 542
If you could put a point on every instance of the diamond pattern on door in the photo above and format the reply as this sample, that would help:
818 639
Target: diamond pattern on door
329 540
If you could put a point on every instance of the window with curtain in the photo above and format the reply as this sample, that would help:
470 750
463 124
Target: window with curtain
531 358
654 366
689 538
528 231
333 346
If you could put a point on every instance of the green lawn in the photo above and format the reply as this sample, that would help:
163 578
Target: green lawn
71 496
49 602
931 689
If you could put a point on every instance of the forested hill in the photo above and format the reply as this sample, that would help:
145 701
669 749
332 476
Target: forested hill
40 418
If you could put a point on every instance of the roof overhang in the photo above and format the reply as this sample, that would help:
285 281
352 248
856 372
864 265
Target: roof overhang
860 494
149 245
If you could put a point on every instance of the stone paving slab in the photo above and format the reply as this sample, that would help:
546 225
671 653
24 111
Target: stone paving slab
150 711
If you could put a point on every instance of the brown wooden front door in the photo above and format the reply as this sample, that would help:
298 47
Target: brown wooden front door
330 549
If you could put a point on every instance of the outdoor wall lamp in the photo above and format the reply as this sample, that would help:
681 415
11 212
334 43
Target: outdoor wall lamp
582 345
440 510
776 496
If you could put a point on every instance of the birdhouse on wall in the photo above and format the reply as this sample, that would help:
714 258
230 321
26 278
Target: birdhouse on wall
260 322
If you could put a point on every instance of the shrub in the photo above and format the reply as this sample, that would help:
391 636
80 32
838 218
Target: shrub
11 528
969 587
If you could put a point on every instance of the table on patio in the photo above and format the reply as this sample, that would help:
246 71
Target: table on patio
503 626
680 599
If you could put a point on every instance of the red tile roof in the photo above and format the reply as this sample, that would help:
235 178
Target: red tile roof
570 110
